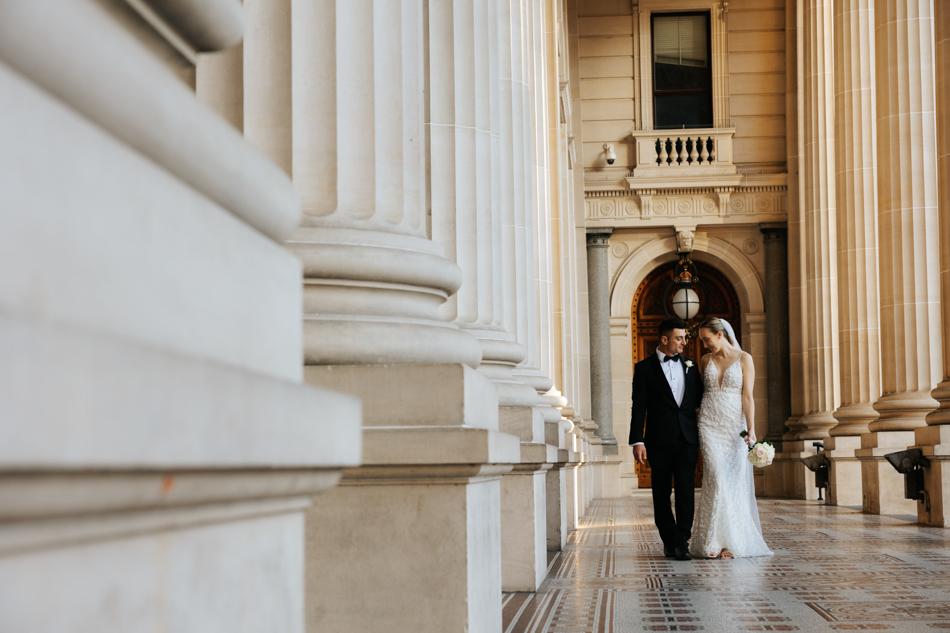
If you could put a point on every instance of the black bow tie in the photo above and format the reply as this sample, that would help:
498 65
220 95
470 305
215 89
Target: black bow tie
675 357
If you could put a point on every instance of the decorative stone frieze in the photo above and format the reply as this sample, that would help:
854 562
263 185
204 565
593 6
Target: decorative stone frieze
642 208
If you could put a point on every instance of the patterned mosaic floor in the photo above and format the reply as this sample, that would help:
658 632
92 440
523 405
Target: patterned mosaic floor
834 569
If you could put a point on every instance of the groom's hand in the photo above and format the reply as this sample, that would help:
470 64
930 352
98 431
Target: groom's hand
640 454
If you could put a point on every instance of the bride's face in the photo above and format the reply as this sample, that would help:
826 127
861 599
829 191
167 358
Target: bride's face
712 341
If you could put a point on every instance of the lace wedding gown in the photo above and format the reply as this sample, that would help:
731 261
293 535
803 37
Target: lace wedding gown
728 516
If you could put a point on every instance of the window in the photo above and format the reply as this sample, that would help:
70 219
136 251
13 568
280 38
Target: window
682 71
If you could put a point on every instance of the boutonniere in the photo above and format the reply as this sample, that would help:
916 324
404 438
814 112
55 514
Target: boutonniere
688 363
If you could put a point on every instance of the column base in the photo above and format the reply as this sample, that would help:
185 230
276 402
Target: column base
797 481
934 441
524 535
773 477
555 485
411 541
942 395
844 476
883 487
607 476
137 479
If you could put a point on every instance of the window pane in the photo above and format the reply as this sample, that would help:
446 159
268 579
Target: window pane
666 42
689 110
673 77
680 40
693 40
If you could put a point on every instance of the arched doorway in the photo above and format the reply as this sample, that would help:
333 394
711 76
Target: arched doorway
647 312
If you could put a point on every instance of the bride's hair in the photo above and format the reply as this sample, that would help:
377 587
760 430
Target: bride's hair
715 326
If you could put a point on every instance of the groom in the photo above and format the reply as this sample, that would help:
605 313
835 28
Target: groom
667 390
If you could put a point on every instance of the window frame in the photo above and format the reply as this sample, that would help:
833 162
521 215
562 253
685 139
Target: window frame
708 14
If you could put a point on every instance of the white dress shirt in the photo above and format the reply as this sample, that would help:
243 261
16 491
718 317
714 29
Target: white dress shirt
675 373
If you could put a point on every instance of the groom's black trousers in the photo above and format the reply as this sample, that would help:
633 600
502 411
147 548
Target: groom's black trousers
673 466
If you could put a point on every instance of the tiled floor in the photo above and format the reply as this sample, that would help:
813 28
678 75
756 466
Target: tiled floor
834 569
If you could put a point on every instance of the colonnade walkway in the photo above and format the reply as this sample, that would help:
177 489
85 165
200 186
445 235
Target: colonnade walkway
834 569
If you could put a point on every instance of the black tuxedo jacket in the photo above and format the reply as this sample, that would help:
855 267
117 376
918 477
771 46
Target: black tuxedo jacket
653 401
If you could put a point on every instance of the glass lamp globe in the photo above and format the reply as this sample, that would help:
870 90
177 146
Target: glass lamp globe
686 303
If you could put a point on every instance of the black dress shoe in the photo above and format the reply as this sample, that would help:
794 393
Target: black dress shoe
681 553
669 552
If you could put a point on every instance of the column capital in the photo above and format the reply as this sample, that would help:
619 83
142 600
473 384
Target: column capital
774 230
598 236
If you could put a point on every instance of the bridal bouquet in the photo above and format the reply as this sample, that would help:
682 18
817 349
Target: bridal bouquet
761 453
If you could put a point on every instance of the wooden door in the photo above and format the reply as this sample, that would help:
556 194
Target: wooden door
647 312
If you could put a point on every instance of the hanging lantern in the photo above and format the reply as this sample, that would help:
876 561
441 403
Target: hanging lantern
686 303
685 299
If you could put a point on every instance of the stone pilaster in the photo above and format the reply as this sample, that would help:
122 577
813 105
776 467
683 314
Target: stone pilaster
856 186
598 289
908 243
775 238
935 438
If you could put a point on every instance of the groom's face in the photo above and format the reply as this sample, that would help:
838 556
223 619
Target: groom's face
675 343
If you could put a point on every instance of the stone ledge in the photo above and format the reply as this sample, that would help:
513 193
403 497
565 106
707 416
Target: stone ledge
112 405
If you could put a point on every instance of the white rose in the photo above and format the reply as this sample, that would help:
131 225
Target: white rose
689 363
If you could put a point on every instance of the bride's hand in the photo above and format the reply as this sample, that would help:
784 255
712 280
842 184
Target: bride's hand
750 438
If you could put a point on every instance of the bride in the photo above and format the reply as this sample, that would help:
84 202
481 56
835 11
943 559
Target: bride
728 521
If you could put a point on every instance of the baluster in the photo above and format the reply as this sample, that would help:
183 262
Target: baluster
704 154
693 153
684 156
657 151
664 156
712 152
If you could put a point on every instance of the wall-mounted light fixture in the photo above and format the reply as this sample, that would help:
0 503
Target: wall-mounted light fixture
609 154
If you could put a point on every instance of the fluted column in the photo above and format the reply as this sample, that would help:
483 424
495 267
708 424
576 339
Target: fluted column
907 213
374 283
466 185
942 50
934 439
858 305
819 233
267 79
219 83
856 185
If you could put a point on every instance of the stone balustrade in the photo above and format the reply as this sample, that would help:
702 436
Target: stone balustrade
673 153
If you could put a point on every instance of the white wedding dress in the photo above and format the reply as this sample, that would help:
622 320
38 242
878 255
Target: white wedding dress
728 516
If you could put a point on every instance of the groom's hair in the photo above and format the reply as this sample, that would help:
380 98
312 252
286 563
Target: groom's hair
668 325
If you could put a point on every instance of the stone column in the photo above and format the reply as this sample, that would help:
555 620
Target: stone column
775 238
935 438
856 182
466 200
909 243
820 232
158 444
787 477
267 79
219 83
814 233
598 289
470 205
374 287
